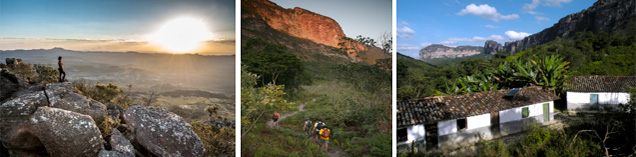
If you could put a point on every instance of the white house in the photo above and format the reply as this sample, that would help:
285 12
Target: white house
451 121
597 92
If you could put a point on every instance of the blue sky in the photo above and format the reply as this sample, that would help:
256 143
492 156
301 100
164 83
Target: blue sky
87 25
369 18
461 22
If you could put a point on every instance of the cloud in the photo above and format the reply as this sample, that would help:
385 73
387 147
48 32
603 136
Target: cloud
529 8
541 18
477 39
449 43
407 47
404 23
486 12
490 26
405 32
425 44
512 35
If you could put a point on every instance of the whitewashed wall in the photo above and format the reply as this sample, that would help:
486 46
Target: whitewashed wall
447 127
581 100
415 132
514 114
478 121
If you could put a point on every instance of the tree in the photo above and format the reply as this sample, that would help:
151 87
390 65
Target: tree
274 64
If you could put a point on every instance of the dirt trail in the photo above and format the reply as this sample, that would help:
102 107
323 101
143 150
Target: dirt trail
333 150
300 108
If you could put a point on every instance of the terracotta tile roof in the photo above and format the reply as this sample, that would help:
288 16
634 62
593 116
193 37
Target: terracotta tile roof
434 109
600 83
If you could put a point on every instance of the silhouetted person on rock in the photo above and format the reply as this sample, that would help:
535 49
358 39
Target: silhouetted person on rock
61 69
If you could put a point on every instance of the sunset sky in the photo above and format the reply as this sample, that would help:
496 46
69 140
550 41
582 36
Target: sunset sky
204 27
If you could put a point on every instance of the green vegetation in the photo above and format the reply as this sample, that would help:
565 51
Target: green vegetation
34 74
273 64
548 65
353 99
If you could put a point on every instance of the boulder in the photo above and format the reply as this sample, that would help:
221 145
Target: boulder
64 96
109 153
66 133
120 144
9 84
162 133
114 111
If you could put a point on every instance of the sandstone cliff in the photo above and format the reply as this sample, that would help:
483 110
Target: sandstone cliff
441 51
606 15
305 24
492 47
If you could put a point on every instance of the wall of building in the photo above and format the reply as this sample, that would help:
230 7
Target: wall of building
478 121
479 126
514 114
447 127
581 100
415 132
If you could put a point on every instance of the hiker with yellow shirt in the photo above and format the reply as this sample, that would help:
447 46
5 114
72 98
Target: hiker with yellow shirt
324 137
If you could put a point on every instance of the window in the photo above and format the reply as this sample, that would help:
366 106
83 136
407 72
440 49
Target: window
402 135
461 124
525 112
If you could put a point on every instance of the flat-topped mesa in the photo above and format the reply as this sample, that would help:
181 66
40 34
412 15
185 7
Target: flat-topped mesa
302 23
606 15
441 51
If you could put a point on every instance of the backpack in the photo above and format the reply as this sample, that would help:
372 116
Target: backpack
325 133
320 125
308 124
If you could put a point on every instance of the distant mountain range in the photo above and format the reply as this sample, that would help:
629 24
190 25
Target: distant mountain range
606 15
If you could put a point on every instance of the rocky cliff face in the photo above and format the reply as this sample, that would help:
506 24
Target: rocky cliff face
441 51
606 15
492 47
302 23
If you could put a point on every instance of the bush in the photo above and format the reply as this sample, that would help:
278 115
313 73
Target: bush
216 141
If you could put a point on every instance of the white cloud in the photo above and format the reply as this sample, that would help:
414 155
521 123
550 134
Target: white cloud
405 33
477 39
486 12
541 18
425 44
529 8
490 26
449 43
404 23
512 35
407 47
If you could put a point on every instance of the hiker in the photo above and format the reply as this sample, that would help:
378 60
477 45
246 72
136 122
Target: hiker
275 118
324 137
61 69
307 127
319 124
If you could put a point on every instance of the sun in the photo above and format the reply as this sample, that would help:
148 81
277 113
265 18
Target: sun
181 35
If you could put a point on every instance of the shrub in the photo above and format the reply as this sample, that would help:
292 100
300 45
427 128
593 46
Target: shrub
216 141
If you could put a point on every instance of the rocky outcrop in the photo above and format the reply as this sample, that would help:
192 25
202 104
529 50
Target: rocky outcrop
162 133
66 133
55 120
119 143
606 15
441 51
305 24
492 47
